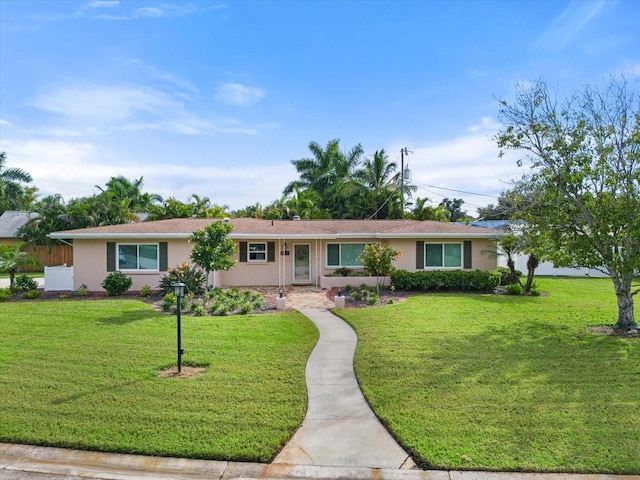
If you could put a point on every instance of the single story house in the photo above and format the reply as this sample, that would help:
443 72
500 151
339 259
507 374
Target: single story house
274 252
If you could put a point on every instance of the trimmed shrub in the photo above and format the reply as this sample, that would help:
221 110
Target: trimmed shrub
117 283
450 280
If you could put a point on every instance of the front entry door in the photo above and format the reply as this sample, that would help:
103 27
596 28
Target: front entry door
301 263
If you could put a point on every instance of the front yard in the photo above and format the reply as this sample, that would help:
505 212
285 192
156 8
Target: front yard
84 374
472 381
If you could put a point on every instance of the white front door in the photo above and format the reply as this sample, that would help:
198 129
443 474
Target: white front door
301 263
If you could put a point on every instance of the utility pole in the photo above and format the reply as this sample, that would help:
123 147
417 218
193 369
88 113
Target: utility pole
403 151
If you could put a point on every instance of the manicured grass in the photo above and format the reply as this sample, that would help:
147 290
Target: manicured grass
470 381
83 374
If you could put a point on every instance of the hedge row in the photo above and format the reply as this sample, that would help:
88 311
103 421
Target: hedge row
445 280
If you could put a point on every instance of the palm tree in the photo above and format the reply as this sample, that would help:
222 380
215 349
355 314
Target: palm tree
12 258
13 195
121 188
374 188
325 172
422 211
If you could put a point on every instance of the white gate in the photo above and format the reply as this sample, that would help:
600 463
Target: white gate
58 279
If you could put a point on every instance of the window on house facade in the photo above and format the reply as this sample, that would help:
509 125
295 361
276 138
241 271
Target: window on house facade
143 256
443 255
344 254
257 252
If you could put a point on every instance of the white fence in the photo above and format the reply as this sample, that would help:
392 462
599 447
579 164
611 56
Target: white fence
547 268
58 279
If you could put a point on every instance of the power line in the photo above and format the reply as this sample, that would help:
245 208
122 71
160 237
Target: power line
460 191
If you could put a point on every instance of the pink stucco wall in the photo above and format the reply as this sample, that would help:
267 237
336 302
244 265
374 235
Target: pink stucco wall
90 262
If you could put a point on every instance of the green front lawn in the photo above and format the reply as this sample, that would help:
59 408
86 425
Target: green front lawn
471 381
83 374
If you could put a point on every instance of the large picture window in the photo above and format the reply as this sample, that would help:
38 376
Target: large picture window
257 252
344 254
142 256
443 255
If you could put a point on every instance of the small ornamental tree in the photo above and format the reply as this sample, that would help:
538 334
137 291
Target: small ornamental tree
377 258
212 248
12 259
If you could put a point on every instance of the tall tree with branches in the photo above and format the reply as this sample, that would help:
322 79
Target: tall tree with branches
584 158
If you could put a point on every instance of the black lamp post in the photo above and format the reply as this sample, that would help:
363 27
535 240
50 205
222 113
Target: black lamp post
178 289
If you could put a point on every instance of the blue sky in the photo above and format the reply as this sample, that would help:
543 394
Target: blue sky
216 97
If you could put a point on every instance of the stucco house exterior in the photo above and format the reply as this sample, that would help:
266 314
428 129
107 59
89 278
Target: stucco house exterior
274 252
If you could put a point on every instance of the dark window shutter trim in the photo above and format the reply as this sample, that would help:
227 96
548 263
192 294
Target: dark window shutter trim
419 255
243 251
163 257
271 251
111 256
467 254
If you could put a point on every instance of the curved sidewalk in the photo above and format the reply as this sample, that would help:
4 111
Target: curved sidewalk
339 429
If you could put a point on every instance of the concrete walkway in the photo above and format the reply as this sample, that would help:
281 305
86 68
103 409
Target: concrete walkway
339 428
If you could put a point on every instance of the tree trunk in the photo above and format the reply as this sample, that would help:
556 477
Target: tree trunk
512 267
626 317
12 279
532 264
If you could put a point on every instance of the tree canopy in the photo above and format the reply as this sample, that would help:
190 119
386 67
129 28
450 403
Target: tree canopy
584 178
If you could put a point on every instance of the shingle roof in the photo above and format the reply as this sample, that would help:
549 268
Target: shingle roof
257 228
11 221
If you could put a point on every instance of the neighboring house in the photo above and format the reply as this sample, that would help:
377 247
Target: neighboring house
10 223
274 253
544 268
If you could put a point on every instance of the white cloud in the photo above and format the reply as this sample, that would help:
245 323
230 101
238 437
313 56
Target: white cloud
101 4
166 10
58 167
149 12
467 163
73 169
104 103
238 94
5 122
566 26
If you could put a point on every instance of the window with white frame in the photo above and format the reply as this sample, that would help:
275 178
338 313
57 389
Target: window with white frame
257 252
443 255
142 256
344 254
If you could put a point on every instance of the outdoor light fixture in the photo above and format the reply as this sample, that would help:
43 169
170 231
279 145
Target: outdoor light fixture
339 292
178 289
280 291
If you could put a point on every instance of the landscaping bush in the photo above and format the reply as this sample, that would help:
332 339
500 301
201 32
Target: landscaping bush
193 278
505 276
117 283
31 294
514 289
25 283
456 280
5 294
145 291
168 301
